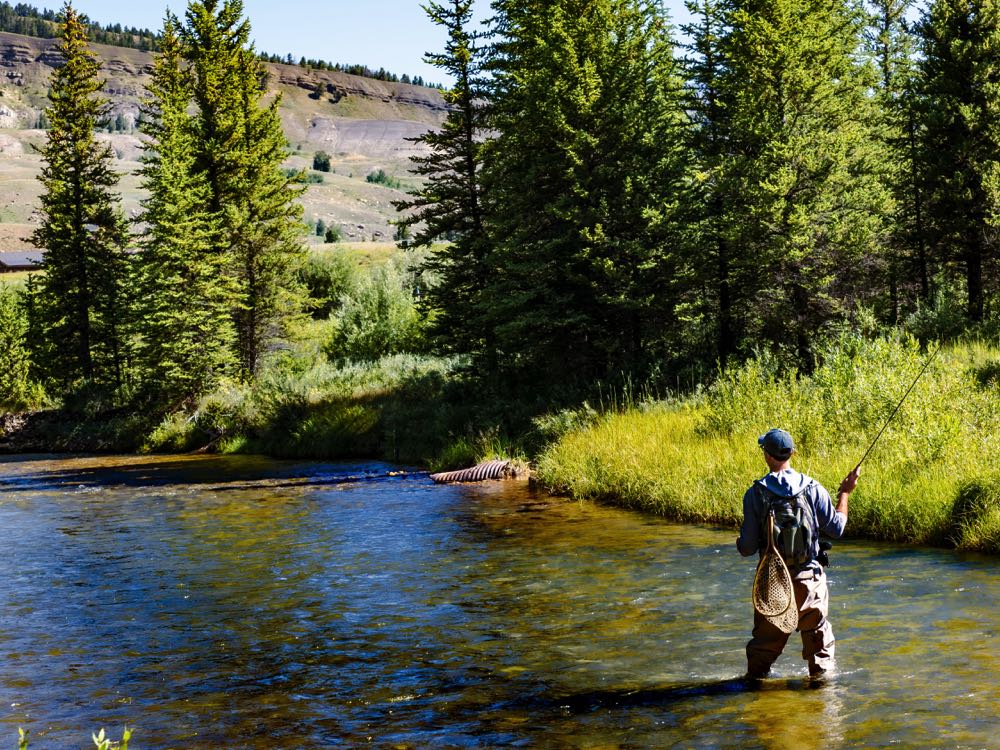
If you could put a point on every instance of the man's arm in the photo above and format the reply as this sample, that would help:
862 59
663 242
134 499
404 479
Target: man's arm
846 488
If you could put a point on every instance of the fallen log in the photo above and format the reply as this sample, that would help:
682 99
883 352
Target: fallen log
495 469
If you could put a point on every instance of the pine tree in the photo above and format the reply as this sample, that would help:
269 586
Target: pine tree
809 208
82 307
586 110
241 149
960 118
187 293
891 47
448 208
710 272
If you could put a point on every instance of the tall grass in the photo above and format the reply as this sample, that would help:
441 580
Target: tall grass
694 459
389 408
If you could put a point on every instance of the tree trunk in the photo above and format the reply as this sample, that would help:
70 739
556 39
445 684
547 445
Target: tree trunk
974 282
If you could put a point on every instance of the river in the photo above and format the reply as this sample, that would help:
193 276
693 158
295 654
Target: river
244 602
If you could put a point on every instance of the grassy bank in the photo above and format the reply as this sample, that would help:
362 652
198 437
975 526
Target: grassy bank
934 478
404 408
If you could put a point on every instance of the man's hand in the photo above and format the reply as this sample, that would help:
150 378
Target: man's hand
850 481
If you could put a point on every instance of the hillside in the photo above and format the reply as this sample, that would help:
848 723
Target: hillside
362 123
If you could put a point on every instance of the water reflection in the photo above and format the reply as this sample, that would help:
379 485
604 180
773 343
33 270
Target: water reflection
252 603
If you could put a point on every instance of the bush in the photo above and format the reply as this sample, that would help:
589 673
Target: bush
380 177
321 161
943 319
18 390
226 414
304 178
393 408
378 318
328 277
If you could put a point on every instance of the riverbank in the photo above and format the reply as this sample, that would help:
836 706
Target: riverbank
933 478
413 409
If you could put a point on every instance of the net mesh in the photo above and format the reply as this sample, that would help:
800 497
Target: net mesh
773 595
788 620
772 587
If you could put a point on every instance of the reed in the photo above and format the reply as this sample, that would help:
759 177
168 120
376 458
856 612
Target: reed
693 460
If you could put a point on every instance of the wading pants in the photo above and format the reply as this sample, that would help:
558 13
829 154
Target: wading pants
813 598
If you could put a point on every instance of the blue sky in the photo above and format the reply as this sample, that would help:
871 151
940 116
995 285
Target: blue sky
392 34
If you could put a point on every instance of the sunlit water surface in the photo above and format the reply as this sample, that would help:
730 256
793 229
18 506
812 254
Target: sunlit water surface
244 602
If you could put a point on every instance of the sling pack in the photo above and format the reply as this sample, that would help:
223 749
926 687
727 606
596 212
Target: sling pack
794 524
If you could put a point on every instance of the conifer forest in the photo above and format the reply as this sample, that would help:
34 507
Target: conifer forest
613 204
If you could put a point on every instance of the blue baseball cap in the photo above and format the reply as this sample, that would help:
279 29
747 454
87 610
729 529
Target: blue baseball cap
777 443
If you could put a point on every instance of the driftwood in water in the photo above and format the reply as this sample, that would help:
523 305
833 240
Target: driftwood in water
495 469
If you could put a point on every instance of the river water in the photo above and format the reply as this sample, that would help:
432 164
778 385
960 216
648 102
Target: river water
244 602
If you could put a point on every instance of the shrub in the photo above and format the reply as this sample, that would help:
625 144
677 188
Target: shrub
944 318
378 318
327 277
321 161
395 408
380 177
305 178
18 389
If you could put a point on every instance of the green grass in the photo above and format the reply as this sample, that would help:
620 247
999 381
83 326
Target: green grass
934 477
392 408
16 279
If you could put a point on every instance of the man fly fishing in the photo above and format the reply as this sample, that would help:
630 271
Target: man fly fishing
792 509
783 515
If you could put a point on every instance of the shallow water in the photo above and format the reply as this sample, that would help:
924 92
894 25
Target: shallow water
244 602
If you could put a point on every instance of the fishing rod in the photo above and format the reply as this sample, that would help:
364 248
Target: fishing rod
922 370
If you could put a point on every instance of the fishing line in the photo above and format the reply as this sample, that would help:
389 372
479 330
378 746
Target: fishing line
922 370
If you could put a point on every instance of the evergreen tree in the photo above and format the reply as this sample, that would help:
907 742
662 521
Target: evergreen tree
586 111
81 302
800 160
960 118
449 205
321 161
187 293
241 149
709 270
891 46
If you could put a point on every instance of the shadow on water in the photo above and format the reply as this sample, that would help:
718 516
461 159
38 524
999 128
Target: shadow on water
215 473
667 695
594 700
